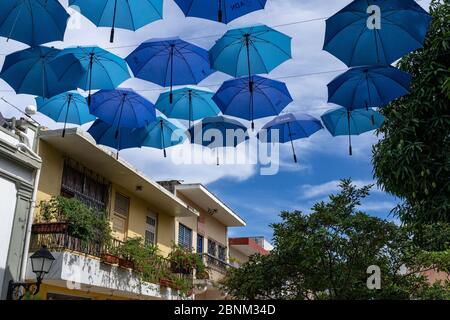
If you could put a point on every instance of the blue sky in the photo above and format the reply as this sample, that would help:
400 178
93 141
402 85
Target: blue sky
258 199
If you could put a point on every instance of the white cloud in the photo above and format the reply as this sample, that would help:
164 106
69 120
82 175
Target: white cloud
308 191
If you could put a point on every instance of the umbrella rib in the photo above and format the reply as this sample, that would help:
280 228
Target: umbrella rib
52 18
61 109
356 43
131 16
272 44
405 30
159 13
259 55
103 12
187 64
376 89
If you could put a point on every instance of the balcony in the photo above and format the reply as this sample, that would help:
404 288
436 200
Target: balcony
82 265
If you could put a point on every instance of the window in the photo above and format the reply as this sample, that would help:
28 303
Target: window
212 248
222 253
81 183
150 229
200 239
120 216
184 236
122 205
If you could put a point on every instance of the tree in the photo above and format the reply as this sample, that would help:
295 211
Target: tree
326 254
412 160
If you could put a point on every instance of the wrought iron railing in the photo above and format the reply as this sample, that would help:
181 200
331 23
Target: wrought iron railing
215 263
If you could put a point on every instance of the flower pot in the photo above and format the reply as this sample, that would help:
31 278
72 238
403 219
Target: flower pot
109 259
125 263
175 268
50 228
166 283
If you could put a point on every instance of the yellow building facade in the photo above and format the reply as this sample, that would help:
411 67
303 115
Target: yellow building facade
163 214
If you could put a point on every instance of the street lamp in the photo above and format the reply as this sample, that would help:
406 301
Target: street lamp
41 263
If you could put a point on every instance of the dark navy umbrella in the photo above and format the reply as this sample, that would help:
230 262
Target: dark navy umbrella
162 134
170 62
41 71
264 97
368 32
368 87
218 132
219 10
68 107
102 69
123 14
105 134
342 122
122 108
290 127
33 22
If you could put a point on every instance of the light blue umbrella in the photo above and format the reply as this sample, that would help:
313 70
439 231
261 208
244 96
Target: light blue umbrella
123 14
105 134
252 50
33 22
342 122
368 87
41 71
217 132
162 134
68 107
170 62
290 127
188 104
219 10
369 32
263 98
102 69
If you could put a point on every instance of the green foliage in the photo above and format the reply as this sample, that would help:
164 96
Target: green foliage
183 260
325 255
412 161
83 222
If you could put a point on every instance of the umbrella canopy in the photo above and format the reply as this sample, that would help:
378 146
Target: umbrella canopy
251 50
105 134
263 98
162 134
123 108
368 87
170 62
41 71
33 22
188 104
290 127
341 122
68 107
102 69
368 32
123 14
218 132
219 10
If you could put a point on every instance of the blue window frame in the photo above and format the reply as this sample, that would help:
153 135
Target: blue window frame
200 241
184 236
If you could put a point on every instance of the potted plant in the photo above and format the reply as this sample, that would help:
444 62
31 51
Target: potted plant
182 260
49 227
109 258
126 263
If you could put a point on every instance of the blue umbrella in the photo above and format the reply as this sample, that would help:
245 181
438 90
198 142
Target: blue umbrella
263 98
68 107
368 87
188 104
162 134
251 50
124 14
122 108
290 127
40 71
33 22
170 62
341 122
105 134
217 132
219 10
369 32
102 69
